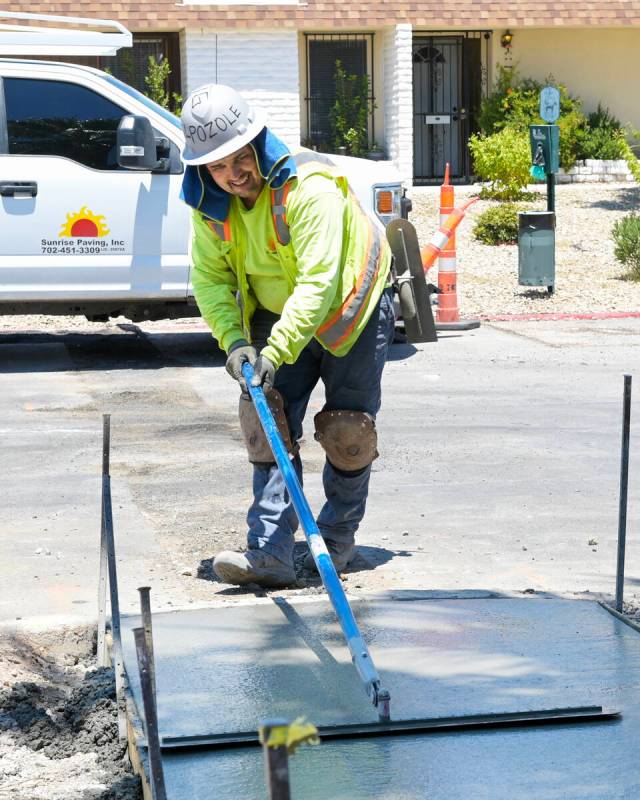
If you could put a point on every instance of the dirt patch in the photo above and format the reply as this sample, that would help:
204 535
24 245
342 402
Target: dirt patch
58 722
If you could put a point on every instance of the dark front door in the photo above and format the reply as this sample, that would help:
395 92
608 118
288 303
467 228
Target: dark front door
447 74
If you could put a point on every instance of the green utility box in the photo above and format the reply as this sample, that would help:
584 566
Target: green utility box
545 147
537 249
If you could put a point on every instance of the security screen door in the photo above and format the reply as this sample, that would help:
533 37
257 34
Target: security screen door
447 74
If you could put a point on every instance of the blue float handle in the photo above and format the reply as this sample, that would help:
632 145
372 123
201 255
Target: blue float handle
359 651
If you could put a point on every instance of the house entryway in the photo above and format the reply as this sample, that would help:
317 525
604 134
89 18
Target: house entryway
449 80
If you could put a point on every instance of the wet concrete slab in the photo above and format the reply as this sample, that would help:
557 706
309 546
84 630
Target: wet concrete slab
226 670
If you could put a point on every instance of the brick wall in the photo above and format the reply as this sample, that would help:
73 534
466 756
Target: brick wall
398 98
262 65
596 171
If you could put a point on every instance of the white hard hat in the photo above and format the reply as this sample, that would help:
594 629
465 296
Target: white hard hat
217 121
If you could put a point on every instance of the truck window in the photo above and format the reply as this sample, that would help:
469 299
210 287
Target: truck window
54 118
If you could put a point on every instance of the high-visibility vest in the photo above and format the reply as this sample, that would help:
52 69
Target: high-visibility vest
279 199
334 330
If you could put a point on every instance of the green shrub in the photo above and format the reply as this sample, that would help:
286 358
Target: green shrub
158 72
349 115
504 159
603 118
498 225
606 138
603 137
572 132
515 103
495 108
626 237
603 143
632 162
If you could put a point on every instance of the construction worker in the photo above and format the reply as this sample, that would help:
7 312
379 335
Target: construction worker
293 277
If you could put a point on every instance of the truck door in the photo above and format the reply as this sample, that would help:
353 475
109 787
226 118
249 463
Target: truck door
73 225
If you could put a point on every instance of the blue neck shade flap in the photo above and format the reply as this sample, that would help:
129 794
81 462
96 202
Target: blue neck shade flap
275 163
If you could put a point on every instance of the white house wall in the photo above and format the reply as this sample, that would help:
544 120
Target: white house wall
598 65
199 59
398 98
262 65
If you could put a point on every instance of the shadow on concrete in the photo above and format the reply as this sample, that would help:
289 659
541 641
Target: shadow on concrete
610 577
401 350
110 350
625 200
127 348
366 559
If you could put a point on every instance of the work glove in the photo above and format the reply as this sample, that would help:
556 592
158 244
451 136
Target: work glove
240 352
264 373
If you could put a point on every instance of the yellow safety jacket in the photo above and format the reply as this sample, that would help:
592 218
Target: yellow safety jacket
331 302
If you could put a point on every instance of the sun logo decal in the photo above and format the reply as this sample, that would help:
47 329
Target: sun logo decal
84 224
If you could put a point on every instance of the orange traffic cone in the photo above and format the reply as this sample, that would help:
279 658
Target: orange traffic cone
447 296
438 241
443 248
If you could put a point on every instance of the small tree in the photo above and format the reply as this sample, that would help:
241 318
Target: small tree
349 115
158 72
504 159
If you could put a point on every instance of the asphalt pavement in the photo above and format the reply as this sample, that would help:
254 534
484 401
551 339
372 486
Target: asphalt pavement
499 465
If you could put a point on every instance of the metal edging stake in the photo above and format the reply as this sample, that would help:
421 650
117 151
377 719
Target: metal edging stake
156 773
624 481
102 579
118 663
276 762
145 613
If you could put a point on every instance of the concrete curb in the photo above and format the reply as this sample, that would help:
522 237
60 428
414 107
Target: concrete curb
551 316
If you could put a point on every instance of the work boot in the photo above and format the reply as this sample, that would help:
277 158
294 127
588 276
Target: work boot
341 554
254 566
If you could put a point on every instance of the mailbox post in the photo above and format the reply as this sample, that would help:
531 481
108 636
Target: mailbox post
545 155
536 230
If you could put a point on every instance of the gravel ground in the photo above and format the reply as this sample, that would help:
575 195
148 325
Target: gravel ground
588 278
58 721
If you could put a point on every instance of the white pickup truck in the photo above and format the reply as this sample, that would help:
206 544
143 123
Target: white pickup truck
80 232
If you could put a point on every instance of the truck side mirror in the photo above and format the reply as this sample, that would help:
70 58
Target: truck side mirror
136 144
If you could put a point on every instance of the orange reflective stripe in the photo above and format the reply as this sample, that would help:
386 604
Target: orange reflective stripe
279 213
279 196
221 229
335 330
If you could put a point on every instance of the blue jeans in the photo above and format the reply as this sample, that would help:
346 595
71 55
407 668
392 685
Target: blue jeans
352 383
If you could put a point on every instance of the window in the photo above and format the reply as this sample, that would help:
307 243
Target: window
428 55
355 53
61 119
131 64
